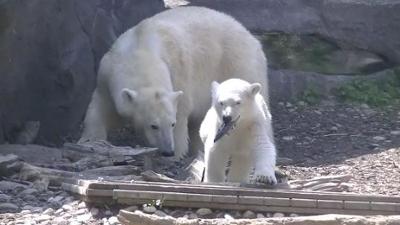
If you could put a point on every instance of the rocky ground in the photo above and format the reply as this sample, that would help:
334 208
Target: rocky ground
334 139
326 139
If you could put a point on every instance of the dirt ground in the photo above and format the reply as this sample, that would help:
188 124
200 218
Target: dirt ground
334 138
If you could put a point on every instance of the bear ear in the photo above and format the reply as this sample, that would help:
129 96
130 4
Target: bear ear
175 95
214 87
128 95
255 88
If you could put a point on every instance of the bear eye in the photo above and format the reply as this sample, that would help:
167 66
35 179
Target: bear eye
173 124
154 127
238 103
221 103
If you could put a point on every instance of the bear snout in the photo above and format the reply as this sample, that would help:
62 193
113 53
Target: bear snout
167 153
227 119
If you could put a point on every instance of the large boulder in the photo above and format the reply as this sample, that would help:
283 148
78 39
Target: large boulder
369 25
50 52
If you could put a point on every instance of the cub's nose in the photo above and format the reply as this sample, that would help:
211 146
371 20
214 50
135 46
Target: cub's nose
168 153
227 119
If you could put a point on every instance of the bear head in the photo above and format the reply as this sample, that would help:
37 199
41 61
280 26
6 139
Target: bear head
153 113
234 99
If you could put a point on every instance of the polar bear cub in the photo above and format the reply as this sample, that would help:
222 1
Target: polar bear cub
237 135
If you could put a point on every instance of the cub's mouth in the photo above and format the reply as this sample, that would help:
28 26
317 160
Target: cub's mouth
225 128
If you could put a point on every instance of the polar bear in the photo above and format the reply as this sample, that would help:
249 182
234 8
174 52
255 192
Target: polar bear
156 74
237 135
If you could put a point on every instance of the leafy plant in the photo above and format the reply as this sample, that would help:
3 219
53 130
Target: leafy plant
374 93
311 96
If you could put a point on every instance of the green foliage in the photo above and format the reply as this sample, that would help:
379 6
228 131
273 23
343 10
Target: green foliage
301 52
311 96
374 93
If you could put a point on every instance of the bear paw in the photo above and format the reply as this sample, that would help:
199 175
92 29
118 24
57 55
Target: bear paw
265 178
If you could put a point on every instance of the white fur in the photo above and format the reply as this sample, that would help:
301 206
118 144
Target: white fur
181 49
249 146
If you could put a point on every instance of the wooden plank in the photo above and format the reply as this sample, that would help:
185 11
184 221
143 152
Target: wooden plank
258 208
330 204
231 190
357 205
74 188
306 203
99 193
384 206
240 198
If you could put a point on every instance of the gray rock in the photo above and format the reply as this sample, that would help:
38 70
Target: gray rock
395 132
11 186
260 215
9 164
379 138
75 223
94 211
348 22
160 213
48 211
108 213
203 212
4 198
84 217
29 198
113 220
29 191
278 215
192 216
42 218
249 214
49 69
149 209
8 207
67 207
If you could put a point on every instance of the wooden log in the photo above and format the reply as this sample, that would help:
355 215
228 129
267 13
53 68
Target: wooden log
152 176
235 190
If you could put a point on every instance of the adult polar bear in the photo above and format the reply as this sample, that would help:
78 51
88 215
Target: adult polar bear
182 50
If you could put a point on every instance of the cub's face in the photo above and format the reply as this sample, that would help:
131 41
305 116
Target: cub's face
154 114
232 98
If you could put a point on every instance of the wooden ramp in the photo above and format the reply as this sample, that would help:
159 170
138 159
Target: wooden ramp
233 197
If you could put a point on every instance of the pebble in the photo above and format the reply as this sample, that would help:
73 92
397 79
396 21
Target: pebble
293 215
67 207
192 216
94 211
379 138
395 132
29 191
288 138
228 216
59 211
160 213
203 212
8 207
42 218
149 209
75 223
260 215
108 213
113 220
249 215
82 205
9 186
48 211
4 198
84 217
278 215
29 198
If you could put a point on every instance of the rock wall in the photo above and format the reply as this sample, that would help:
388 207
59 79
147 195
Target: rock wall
50 49
49 54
